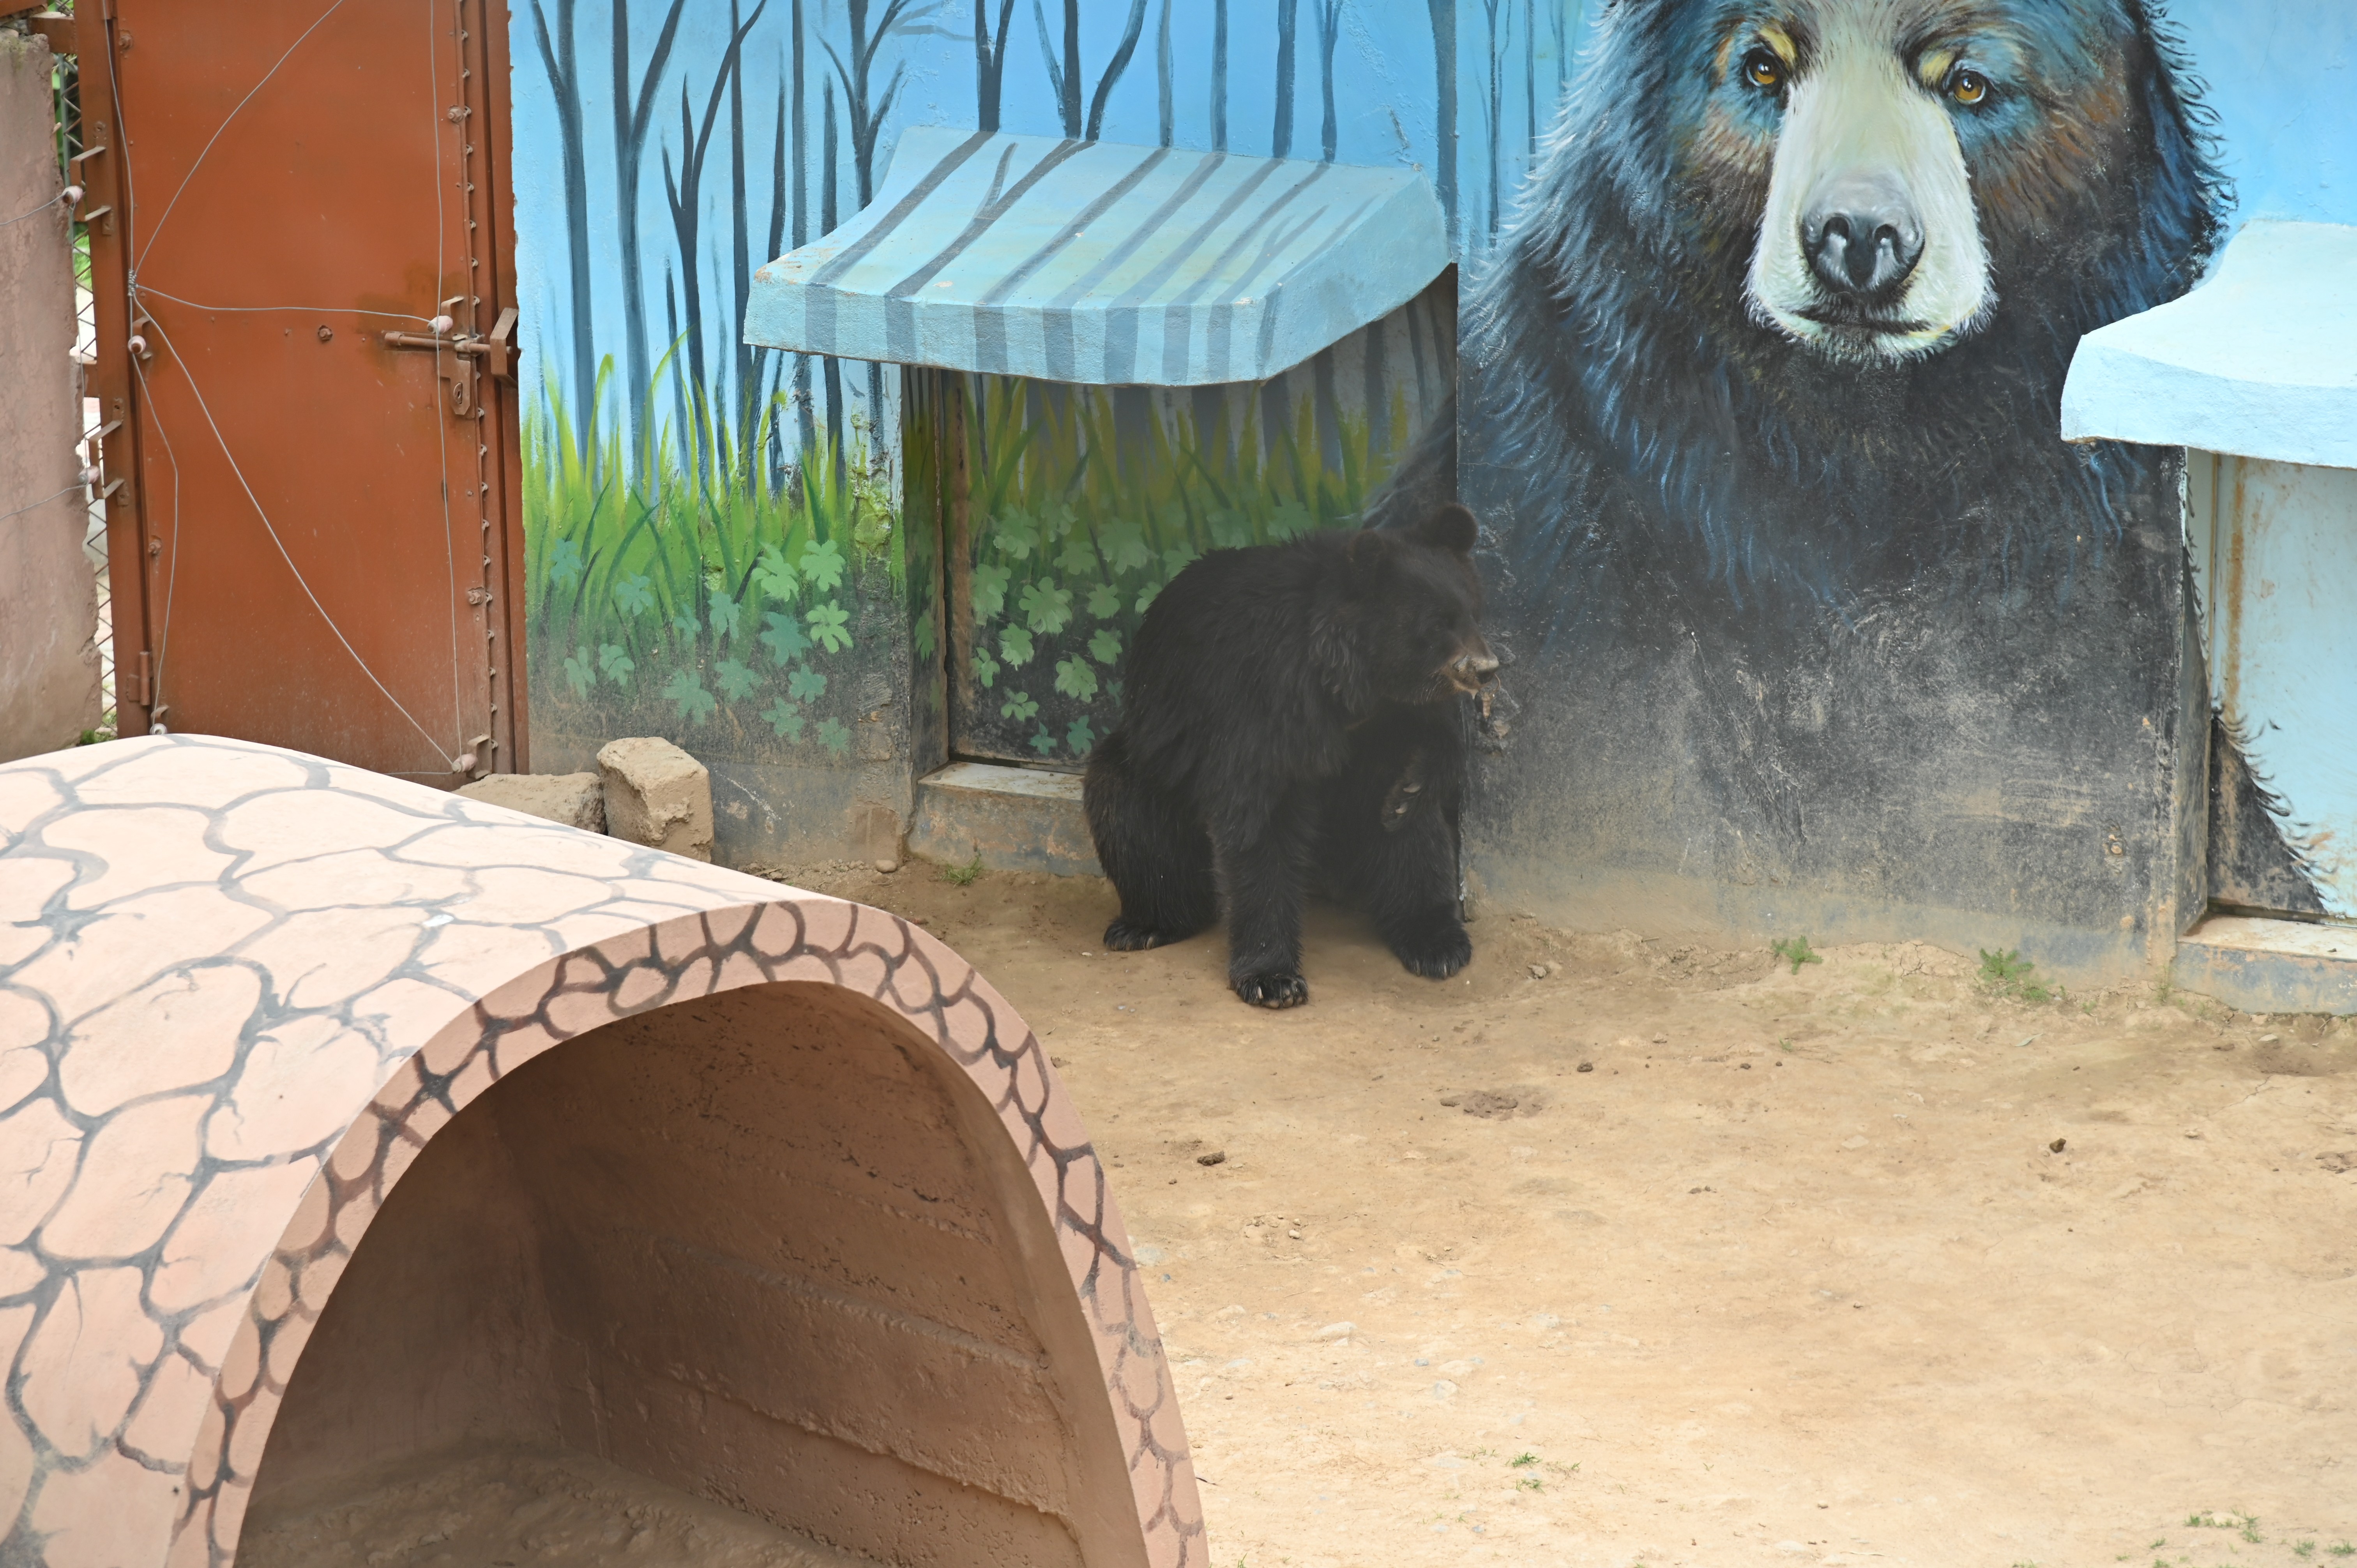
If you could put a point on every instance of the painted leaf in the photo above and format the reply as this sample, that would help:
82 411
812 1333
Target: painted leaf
1290 520
726 615
1080 736
823 565
1104 601
1124 545
1048 607
1013 533
773 579
806 684
1175 560
687 626
828 628
985 667
1015 647
737 681
989 592
579 674
614 662
835 736
1078 557
1018 705
785 718
633 596
686 693
564 563
922 638
1229 529
1075 679
1044 742
784 638
1146 597
1105 646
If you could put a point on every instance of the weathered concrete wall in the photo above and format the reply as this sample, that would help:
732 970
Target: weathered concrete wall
49 601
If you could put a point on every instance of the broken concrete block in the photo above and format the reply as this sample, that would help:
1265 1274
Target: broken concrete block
576 800
658 795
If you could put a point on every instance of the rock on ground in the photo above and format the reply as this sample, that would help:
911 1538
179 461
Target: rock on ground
657 795
576 800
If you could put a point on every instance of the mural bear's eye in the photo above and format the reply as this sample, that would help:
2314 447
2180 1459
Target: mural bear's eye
1968 88
1761 68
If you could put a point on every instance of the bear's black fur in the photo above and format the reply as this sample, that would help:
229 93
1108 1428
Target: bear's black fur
1293 709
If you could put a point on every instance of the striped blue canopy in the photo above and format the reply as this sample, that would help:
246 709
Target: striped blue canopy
1100 263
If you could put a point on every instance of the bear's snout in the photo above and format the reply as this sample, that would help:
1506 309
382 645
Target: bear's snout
1861 235
1473 669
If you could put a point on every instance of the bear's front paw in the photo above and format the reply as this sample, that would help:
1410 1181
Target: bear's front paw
1436 947
1125 935
1274 988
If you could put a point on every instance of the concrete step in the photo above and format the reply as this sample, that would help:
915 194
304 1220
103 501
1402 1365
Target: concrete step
2270 966
1016 819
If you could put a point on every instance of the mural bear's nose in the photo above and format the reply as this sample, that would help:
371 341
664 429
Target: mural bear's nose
1861 235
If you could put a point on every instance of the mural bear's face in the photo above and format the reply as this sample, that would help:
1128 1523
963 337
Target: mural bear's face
1885 150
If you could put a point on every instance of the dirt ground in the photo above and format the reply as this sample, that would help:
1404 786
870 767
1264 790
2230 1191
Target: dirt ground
1678 1256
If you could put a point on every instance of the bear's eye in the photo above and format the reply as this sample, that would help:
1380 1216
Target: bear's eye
1763 70
1968 88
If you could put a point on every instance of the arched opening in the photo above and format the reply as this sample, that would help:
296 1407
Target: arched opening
757 1277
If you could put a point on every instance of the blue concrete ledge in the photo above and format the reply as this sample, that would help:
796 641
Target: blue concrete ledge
2261 360
1100 263
2270 966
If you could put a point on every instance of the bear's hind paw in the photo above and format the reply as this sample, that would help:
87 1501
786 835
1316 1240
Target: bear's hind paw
1125 935
1436 953
1274 988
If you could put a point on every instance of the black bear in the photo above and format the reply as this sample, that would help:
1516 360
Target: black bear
1293 708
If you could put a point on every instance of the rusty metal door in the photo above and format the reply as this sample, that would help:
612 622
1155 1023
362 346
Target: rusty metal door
301 256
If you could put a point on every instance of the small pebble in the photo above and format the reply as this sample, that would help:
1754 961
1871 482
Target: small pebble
887 866
1538 972
1334 1331
1588 1067
1216 1157
2269 1039
2057 1145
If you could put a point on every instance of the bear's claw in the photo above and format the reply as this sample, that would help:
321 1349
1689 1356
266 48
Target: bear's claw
1276 988
1436 953
1128 936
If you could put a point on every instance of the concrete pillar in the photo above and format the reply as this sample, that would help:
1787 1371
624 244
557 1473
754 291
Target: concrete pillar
49 600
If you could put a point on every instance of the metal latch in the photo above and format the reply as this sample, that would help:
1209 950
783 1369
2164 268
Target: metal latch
497 352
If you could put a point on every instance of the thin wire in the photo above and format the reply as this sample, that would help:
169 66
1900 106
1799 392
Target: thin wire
44 207
270 528
171 572
457 369
232 114
289 309
33 506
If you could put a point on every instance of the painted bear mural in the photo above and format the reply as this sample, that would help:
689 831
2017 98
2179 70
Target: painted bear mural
1760 406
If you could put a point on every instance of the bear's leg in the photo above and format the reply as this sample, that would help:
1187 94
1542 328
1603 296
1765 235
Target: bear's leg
1391 830
1260 866
1153 850
1410 892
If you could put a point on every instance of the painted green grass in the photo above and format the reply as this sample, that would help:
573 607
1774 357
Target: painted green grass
1076 527
697 599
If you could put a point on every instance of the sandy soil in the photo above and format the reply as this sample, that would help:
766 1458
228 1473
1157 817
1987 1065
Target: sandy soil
1676 1256
506 1509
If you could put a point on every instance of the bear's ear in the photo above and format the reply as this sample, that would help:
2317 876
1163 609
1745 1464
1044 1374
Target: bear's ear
1451 528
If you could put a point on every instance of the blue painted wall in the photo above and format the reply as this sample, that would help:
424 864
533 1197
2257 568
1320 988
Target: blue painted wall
1466 91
